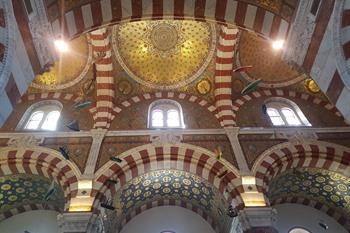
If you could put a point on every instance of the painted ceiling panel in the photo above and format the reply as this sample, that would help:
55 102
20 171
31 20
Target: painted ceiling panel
329 188
19 190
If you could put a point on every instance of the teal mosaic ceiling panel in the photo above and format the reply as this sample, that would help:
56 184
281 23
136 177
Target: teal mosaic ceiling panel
171 185
329 188
19 190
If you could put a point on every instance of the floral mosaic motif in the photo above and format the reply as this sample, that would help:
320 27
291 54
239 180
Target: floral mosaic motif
326 187
19 190
171 185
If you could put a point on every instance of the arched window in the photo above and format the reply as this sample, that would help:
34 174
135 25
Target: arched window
165 114
283 112
43 115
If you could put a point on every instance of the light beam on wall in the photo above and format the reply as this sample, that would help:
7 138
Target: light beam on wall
278 44
61 46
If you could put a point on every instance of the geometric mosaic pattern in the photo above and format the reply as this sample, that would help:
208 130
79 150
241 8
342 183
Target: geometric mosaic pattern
323 186
172 185
322 189
17 191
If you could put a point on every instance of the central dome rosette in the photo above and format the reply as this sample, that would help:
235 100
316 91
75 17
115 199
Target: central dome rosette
164 54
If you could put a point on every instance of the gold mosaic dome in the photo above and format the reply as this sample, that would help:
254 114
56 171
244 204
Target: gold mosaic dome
164 54
70 69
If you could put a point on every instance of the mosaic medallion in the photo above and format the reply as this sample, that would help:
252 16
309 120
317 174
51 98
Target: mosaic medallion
164 54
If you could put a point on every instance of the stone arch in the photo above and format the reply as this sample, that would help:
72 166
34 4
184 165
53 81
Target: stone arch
185 157
165 95
288 155
178 203
41 161
177 96
286 94
341 219
87 17
51 95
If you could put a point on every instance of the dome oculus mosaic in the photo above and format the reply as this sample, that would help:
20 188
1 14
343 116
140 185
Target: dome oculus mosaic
164 54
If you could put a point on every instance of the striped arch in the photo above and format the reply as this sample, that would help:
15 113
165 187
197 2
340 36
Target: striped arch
286 94
161 95
99 13
41 161
288 155
223 75
185 157
341 219
171 202
51 95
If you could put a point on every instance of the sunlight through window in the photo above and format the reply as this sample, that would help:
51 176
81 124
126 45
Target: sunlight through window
34 120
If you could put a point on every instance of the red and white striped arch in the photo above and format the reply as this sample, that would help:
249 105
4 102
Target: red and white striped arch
169 202
345 31
161 95
339 217
89 16
25 208
41 161
223 75
288 155
51 95
101 45
184 157
288 94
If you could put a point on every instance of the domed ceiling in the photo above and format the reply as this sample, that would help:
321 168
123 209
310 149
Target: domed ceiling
329 188
267 63
23 189
70 69
172 185
164 54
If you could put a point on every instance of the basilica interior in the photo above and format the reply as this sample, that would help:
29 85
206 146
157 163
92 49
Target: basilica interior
174 116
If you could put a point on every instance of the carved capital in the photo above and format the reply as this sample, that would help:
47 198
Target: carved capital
98 134
25 141
232 132
166 138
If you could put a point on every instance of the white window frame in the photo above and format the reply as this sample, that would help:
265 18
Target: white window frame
279 103
46 106
165 105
